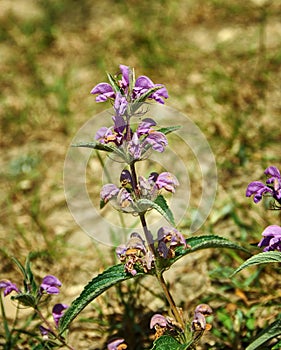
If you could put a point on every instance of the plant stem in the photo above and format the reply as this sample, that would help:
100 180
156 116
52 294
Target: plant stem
51 329
170 299
150 242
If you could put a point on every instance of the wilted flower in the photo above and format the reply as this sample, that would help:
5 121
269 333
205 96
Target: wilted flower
50 285
272 187
163 325
168 239
135 254
271 238
8 287
117 344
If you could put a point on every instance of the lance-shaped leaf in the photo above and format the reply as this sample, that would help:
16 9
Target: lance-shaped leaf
261 258
270 332
169 129
114 83
158 204
95 145
198 243
93 289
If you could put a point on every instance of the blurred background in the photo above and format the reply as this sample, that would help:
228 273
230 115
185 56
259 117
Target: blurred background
221 63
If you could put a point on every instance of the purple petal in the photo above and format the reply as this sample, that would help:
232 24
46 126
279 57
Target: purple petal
168 181
159 320
50 284
125 70
58 311
144 82
114 344
272 230
157 140
9 287
104 91
145 126
272 171
108 191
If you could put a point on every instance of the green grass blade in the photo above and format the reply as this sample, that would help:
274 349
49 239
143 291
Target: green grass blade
270 332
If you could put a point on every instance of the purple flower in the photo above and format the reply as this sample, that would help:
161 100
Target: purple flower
257 189
134 253
58 311
109 191
271 238
145 126
125 81
157 140
274 180
143 84
273 186
50 285
117 344
8 287
168 239
158 320
168 181
120 104
104 92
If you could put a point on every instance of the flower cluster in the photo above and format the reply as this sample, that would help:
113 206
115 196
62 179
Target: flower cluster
128 95
271 188
49 285
128 90
135 255
127 200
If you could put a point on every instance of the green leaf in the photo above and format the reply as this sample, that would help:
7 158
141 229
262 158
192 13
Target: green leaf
95 145
270 332
93 289
158 204
25 299
114 83
261 258
167 342
169 129
204 242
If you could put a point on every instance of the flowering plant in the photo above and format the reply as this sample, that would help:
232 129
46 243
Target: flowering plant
270 242
131 139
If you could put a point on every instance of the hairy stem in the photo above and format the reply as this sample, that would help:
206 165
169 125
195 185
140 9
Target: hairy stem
170 299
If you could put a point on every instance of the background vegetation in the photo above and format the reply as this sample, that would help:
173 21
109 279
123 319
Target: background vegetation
221 63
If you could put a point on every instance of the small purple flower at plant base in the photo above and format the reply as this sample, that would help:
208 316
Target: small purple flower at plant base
58 311
8 287
135 255
104 92
50 285
257 189
168 181
168 239
271 238
117 344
